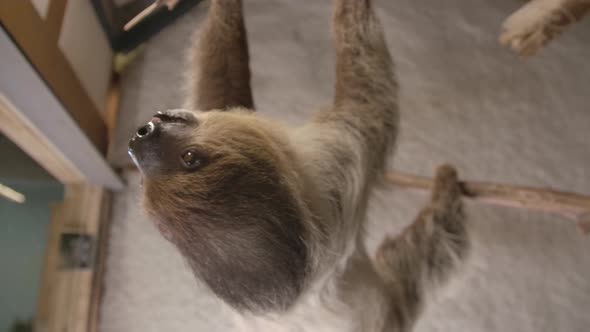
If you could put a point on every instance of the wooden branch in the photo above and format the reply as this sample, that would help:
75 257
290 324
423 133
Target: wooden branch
539 21
141 16
571 205
149 10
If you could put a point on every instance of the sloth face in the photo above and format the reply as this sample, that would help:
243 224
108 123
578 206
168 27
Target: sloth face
222 188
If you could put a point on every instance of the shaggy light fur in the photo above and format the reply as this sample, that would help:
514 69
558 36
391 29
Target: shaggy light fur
460 93
271 219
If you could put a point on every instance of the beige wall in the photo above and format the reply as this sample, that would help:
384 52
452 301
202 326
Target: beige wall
42 6
86 47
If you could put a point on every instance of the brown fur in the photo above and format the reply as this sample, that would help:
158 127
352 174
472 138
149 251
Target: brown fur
237 219
271 218
223 72
426 252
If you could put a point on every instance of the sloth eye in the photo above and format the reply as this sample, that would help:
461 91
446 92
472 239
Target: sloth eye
190 160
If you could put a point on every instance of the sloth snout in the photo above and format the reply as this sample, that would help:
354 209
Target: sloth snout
146 130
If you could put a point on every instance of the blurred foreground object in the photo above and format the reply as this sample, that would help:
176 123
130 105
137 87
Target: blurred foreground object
148 11
11 194
128 24
539 21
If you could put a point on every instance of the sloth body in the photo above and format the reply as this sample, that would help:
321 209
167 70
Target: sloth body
271 219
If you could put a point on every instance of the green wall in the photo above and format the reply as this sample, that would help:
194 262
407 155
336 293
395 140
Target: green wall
23 236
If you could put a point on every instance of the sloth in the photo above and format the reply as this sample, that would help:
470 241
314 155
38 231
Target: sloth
271 218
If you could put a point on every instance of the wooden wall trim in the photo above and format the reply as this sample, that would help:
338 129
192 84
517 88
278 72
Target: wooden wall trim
55 16
47 282
37 42
34 143
32 100
69 298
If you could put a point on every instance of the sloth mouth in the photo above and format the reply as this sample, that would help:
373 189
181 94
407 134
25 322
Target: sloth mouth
165 117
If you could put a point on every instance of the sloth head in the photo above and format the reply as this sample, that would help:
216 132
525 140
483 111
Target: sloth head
223 188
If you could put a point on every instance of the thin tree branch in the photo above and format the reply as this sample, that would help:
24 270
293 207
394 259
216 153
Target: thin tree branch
571 205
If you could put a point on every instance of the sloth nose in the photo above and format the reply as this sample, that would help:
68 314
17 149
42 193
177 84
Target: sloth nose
146 130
